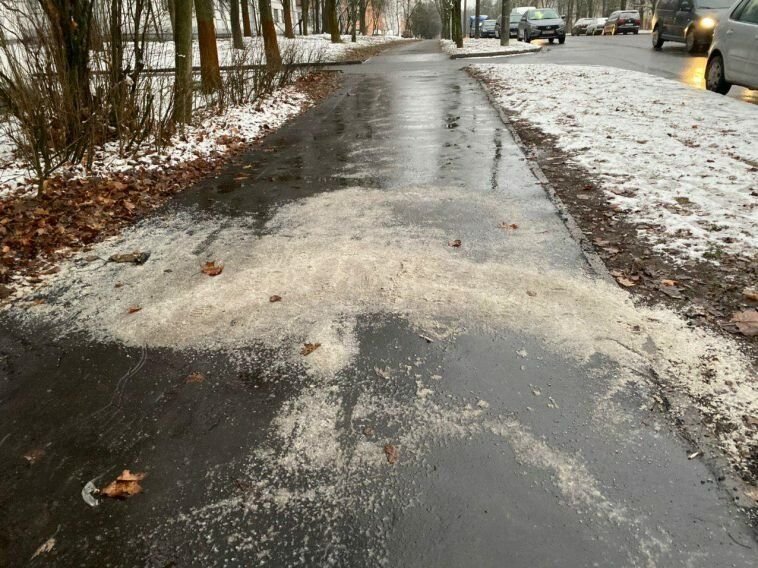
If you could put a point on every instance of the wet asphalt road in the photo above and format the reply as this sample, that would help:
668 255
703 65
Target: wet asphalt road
633 52
564 488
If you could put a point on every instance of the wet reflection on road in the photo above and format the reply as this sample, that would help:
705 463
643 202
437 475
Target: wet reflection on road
693 74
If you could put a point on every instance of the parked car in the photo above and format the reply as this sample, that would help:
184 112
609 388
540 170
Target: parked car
487 28
580 26
688 21
733 57
544 23
596 27
622 22
472 24
515 19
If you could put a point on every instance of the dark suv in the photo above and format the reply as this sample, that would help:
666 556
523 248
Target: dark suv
688 21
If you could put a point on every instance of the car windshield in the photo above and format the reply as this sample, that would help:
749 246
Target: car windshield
489 24
714 4
546 14
515 18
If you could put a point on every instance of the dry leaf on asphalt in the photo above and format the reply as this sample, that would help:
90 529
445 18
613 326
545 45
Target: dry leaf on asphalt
505 225
455 244
309 348
126 485
195 378
746 321
133 309
212 269
33 456
392 454
751 294
275 298
44 548
667 282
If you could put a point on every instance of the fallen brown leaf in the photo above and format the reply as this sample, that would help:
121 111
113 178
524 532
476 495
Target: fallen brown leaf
44 548
212 269
195 378
126 485
392 454
746 322
667 282
309 348
33 456
531 293
751 294
133 309
505 225
275 298
455 244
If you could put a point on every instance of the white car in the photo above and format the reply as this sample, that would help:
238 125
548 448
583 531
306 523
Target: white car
733 57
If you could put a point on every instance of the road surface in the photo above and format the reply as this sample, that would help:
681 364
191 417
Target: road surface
462 406
633 52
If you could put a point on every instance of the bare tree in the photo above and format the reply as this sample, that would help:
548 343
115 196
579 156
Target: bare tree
457 24
306 6
234 14
210 72
183 61
288 29
247 29
268 30
505 23
477 24
330 11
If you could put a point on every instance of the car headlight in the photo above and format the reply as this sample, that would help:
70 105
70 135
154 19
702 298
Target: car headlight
707 23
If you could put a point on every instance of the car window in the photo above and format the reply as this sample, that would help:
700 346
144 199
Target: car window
717 4
749 13
546 14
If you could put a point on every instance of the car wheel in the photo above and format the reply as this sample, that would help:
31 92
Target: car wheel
551 40
562 40
635 32
715 78
657 38
692 45
526 36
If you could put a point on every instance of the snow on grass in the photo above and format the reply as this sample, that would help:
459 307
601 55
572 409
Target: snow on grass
306 49
211 136
681 164
473 47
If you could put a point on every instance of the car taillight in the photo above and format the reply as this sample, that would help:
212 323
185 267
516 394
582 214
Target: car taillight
637 22
622 21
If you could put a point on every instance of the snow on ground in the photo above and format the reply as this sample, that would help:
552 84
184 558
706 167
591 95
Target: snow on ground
473 47
209 137
681 164
304 49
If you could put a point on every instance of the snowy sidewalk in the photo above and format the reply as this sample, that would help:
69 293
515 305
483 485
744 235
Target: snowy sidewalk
681 164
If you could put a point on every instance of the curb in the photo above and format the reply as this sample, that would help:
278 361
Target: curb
495 53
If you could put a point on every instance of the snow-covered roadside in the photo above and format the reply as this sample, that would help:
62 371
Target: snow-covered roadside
483 47
681 164
209 137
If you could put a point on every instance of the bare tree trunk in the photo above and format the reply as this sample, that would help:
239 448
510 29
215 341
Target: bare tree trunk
364 23
325 22
268 30
247 29
330 11
505 23
477 23
306 6
234 14
288 31
317 27
183 61
206 36
457 24
171 5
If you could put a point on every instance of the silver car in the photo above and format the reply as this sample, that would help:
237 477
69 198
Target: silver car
596 27
542 23
733 57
